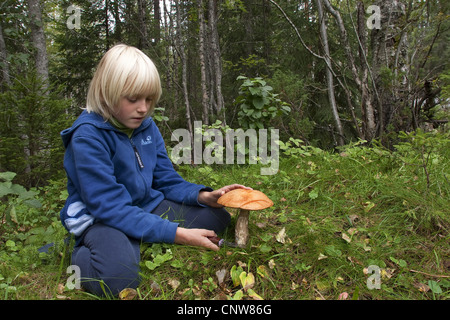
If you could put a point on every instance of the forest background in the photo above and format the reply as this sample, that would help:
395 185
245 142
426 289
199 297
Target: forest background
329 75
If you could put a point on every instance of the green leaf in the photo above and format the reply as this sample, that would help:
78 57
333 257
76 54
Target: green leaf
258 102
260 81
257 114
252 294
247 280
267 88
255 91
34 203
13 214
235 272
7 176
10 243
313 194
264 248
434 286
151 265
4 190
400 262
332 251
177 264
238 295
262 271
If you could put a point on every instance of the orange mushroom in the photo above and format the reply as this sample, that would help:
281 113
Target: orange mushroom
245 200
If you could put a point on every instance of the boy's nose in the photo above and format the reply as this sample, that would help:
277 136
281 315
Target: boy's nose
142 106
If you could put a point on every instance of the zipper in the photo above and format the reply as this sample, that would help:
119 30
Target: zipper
141 166
136 153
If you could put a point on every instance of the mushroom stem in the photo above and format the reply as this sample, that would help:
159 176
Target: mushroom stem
241 229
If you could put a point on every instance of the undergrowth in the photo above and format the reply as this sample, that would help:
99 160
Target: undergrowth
361 223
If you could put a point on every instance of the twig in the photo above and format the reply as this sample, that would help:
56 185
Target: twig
430 275
424 165
298 33
323 298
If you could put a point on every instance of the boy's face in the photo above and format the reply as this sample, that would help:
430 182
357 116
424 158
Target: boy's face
132 111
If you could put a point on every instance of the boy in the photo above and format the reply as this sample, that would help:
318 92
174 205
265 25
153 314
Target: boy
123 189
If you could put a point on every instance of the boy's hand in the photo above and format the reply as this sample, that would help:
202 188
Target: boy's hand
195 237
210 198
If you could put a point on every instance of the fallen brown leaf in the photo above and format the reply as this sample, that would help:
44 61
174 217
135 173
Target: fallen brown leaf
421 287
127 294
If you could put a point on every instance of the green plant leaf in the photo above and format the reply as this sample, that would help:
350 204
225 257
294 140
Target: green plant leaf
238 295
258 102
252 294
4 189
151 265
7 176
434 286
247 280
235 272
313 194
332 251
264 248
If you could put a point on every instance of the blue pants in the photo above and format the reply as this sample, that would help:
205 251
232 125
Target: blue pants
109 260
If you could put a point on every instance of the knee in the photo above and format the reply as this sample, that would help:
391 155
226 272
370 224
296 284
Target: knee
111 284
109 279
108 267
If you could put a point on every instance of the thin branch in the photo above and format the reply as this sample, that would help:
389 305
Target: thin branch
430 275
298 33
327 61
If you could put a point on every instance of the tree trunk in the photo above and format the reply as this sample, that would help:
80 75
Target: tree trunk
183 59
157 20
216 56
3 62
106 24
142 30
117 22
366 101
201 50
360 75
383 42
330 82
38 39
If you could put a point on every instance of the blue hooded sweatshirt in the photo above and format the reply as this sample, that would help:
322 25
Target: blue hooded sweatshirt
119 181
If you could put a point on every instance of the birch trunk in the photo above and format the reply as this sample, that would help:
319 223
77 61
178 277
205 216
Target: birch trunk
201 38
182 54
360 73
330 82
216 56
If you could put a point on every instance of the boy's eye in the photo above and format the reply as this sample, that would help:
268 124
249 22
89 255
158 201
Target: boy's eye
135 99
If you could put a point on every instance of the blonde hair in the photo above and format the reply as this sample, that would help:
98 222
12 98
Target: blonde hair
124 71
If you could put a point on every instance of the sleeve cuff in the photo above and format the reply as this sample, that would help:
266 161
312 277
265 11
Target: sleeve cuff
196 202
171 230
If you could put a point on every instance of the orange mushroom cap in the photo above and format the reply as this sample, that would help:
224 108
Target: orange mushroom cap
245 199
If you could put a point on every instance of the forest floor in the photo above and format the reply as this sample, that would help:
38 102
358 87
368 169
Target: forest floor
361 223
